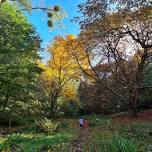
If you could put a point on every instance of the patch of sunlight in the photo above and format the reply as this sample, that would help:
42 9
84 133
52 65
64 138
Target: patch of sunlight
21 135
27 135
2 140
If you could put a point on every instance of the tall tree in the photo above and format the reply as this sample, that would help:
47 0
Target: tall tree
19 46
61 70
114 32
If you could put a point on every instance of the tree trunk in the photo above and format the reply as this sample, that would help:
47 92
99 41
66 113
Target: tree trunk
9 125
53 106
133 99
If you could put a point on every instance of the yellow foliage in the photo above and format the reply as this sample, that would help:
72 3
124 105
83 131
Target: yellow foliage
41 65
62 68
70 91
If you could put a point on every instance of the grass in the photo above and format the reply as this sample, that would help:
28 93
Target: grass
107 134
27 139
36 142
110 135
115 143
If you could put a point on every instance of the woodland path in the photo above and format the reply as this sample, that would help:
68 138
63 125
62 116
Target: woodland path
82 142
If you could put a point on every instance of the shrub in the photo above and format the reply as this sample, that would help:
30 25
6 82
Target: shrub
46 126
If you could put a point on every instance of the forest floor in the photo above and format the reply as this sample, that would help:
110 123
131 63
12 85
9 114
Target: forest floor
134 133
105 133
80 141
119 131
144 116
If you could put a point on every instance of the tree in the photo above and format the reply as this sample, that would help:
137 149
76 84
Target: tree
54 13
26 4
19 46
114 32
61 71
96 98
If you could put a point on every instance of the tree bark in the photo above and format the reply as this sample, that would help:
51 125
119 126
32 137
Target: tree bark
53 106
133 99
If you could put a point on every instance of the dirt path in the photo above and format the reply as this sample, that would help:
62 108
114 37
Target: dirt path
77 145
82 142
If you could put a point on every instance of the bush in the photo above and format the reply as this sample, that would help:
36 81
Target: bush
46 126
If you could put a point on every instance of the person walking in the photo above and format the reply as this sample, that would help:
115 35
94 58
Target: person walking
85 124
81 122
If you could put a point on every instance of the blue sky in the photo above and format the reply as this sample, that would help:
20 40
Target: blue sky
39 20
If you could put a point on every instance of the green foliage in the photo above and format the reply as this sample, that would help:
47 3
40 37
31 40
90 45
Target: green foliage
70 108
19 46
29 139
26 4
116 144
145 100
46 126
5 118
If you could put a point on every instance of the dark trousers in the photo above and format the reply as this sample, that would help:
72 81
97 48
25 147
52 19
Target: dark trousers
81 125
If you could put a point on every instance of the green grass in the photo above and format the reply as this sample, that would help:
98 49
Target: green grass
111 136
115 143
106 134
28 139
34 142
